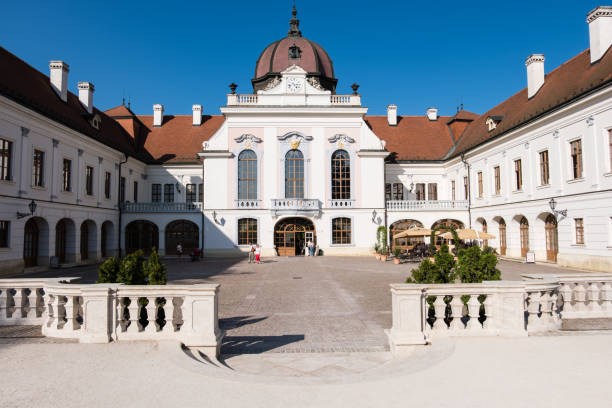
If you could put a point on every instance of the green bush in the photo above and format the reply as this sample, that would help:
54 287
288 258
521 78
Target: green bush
442 270
107 273
397 251
425 273
132 271
381 239
476 265
155 270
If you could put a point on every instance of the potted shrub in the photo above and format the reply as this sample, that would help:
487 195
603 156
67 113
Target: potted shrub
377 251
381 240
396 255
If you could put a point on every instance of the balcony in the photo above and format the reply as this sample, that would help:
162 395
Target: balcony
275 99
341 203
295 206
423 205
161 207
247 204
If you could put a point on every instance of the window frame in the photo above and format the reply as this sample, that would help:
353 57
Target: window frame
190 194
518 174
245 237
466 187
108 182
577 169
247 175
38 168
480 184
294 168
66 175
156 196
420 191
200 192
432 188
340 175
6 159
135 191
5 233
497 179
453 190
544 167
579 230
168 193
89 180
122 189
342 235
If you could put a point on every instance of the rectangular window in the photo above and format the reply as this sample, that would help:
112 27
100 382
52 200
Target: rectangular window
67 175
387 191
576 150
544 169
432 191
168 193
453 190
247 231
398 191
190 193
200 193
38 169
579 231
155 193
122 190
518 175
107 185
497 172
6 159
480 184
341 231
466 188
4 234
420 191
89 180
135 191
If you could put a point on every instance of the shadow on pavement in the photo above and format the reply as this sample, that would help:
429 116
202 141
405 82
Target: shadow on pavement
238 321
256 344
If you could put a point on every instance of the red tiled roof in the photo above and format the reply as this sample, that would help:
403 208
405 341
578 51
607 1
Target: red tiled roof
29 87
572 79
177 140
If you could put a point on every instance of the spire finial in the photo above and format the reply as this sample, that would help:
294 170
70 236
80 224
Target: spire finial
294 23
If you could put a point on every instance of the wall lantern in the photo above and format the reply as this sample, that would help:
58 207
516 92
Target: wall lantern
31 206
178 186
374 216
553 204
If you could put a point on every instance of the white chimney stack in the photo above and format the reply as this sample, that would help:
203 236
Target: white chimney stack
392 115
86 90
535 73
158 114
600 31
59 78
197 115
432 113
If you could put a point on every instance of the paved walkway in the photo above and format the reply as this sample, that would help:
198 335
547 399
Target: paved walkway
320 304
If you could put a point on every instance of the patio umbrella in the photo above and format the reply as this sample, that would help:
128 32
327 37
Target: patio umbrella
468 234
413 232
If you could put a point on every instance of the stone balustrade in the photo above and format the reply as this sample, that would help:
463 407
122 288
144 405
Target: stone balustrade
426 205
160 207
341 203
350 100
295 206
247 204
99 313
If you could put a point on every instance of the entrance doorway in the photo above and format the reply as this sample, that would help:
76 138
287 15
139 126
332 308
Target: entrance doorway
291 235
552 241
30 243
182 232
524 233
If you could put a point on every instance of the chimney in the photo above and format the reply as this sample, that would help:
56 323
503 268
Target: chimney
86 90
535 73
432 113
158 114
392 115
600 31
59 78
197 115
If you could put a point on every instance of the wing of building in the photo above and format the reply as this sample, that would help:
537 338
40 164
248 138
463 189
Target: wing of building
294 162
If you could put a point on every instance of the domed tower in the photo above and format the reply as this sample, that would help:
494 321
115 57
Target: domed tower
294 50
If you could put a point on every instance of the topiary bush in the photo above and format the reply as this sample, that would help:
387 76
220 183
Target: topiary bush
442 270
131 270
381 239
107 272
155 270
476 265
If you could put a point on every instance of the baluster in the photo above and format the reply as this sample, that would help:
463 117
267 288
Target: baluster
546 302
488 312
152 315
440 309
555 308
3 304
69 308
533 308
579 297
134 309
169 315
606 298
593 297
566 294
60 311
456 313
18 300
49 300
473 313
121 322
33 303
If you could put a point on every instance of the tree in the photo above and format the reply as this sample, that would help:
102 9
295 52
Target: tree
442 270
476 265
107 273
132 271
155 270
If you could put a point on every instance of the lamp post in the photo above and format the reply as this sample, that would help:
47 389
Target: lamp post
31 207
553 205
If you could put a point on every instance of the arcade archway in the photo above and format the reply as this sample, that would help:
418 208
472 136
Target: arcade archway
291 235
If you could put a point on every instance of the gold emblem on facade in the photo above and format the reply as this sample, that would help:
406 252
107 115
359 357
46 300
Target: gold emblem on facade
341 145
295 144
248 144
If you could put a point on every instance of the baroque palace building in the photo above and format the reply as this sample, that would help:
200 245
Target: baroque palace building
294 161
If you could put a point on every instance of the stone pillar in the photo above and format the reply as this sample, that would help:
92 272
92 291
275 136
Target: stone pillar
162 242
201 319
407 307
98 313
508 304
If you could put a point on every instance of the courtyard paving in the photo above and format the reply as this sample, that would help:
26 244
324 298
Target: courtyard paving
297 305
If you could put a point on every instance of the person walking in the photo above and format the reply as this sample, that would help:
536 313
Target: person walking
252 253
258 254
179 250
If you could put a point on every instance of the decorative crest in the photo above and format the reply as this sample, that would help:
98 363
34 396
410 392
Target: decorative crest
294 23
295 144
341 139
248 140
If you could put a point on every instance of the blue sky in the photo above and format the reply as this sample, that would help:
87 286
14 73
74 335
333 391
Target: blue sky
414 54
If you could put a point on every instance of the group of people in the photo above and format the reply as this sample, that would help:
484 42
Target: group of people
309 248
194 255
255 253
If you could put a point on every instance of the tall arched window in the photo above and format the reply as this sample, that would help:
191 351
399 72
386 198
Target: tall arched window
341 175
247 175
294 174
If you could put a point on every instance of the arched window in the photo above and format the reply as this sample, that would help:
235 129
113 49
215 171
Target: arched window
341 175
247 175
294 174
247 231
341 231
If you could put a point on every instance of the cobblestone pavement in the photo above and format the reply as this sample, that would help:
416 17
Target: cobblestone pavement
320 304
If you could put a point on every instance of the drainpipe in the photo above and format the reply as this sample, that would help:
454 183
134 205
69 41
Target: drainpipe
119 204
389 241
469 189
202 212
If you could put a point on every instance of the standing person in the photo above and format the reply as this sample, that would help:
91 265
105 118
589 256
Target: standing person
311 248
258 254
252 253
179 250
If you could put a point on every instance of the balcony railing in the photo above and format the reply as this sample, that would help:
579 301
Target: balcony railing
423 205
288 206
341 203
160 207
251 99
247 204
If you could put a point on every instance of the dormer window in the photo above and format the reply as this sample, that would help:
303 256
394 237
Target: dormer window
493 121
96 121
295 52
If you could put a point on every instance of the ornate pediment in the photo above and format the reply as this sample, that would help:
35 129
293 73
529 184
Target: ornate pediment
341 139
248 140
294 138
